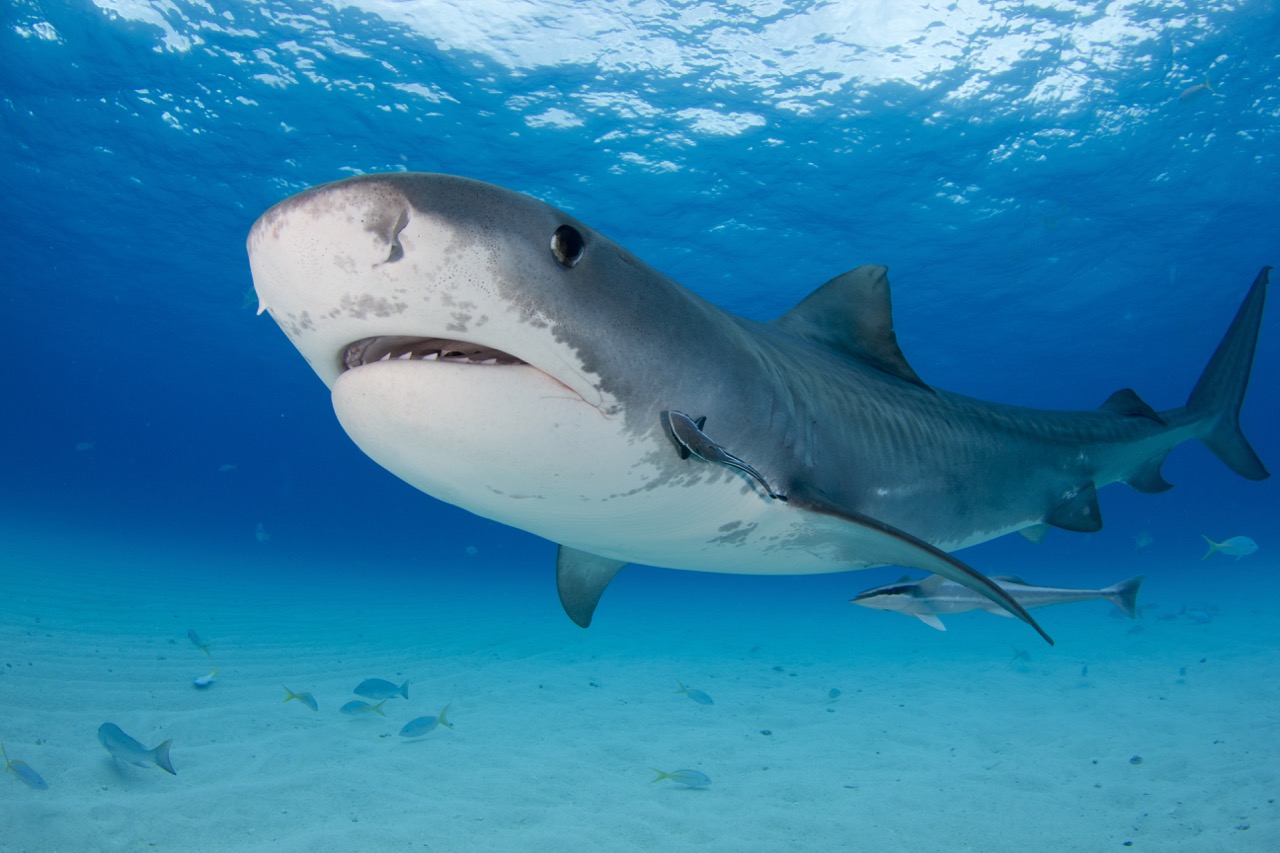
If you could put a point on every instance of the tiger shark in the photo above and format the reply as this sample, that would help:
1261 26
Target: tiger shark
500 355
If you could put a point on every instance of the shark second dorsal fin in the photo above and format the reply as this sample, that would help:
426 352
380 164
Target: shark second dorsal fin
852 315
1127 402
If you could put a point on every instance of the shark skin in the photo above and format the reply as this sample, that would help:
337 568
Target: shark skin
498 354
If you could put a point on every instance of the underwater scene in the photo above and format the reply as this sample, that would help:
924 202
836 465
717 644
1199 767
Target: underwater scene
645 425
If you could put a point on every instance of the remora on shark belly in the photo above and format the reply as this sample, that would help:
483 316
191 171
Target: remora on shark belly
498 354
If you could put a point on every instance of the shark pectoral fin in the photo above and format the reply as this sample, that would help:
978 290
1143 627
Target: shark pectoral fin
1078 511
581 579
931 620
1035 533
878 543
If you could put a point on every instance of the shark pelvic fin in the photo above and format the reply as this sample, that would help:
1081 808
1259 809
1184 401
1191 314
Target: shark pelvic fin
1035 533
1078 511
852 314
581 579
934 622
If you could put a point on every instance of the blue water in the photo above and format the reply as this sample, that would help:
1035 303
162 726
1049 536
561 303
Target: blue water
1058 224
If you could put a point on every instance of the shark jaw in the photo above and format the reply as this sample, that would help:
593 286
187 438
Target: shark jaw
410 317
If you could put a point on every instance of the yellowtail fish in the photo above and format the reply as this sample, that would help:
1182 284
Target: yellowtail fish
305 698
696 695
203 681
355 707
422 725
198 643
1236 546
26 775
1197 90
380 688
688 778
126 749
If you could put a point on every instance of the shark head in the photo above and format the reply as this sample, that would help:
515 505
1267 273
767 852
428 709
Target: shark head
493 351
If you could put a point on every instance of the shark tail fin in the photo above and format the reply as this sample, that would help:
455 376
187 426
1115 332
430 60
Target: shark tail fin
1124 595
1219 393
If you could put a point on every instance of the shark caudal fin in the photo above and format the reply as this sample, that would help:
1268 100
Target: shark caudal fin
1220 391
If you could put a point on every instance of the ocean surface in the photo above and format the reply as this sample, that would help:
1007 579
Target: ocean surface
1071 198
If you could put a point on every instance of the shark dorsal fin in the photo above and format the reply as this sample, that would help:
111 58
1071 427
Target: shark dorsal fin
1127 402
851 314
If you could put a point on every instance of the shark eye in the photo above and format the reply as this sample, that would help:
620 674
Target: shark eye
567 246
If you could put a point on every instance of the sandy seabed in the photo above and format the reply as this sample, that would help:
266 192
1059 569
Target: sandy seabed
832 728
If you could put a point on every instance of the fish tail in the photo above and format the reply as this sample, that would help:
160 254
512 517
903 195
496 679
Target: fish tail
680 688
291 695
1213 546
404 689
8 765
1216 399
442 720
1208 87
161 756
661 774
378 708
1125 595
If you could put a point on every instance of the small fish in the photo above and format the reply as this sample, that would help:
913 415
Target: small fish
198 643
305 698
688 778
1236 546
422 725
934 595
26 775
203 681
696 695
689 438
355 706
380 688
126 749
1197 90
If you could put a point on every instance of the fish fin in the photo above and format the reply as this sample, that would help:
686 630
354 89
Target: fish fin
1079 512
1035 533
442 720
878 543
852 314
1147 478
1124 595
1004 613
404 689
931 620
1219 393
161 756
378 708
1127 402
1009 579
1213 546
290 695
581 579
661 774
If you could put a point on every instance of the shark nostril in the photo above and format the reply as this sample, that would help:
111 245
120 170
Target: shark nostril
397 250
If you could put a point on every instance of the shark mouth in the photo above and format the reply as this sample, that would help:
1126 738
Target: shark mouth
402 348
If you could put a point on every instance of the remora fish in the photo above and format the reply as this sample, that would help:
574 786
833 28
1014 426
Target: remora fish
500 355
934 596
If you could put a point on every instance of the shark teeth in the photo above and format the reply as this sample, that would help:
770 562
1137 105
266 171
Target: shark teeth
404 348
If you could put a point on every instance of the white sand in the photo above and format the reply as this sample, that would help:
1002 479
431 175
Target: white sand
937 741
